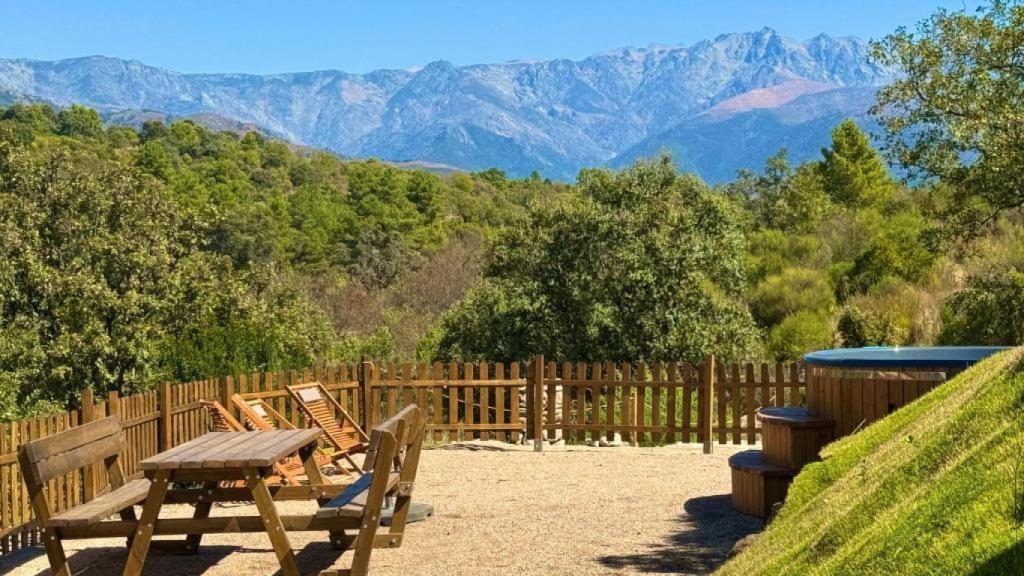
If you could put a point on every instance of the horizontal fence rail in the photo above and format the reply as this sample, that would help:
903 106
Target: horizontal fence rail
575 402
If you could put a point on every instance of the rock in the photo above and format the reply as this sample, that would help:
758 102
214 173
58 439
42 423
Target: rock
595 444
742 544
603 443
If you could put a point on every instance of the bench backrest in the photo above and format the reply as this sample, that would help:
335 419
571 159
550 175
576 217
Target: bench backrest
319 406
47 458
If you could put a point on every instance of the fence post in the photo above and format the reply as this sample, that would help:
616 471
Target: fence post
227 387
89 480
164 423
707 407
365 383
537 393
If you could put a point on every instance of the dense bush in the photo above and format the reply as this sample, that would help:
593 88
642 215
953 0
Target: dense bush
794 290
989 311
801 332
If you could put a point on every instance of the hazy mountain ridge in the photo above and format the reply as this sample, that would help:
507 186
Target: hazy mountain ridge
552 115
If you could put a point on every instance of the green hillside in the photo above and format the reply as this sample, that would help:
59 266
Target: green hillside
936 488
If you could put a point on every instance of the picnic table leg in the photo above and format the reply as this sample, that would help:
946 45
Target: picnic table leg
316 478
144 533
275 529
202 512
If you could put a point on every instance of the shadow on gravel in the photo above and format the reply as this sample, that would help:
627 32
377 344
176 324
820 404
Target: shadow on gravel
706 531
474 447
109 561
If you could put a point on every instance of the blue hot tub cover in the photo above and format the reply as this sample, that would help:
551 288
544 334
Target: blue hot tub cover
895 356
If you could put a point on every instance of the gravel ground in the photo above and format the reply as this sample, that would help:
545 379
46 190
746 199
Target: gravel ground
499 509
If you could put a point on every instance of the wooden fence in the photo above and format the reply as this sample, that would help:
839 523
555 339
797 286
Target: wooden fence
580 402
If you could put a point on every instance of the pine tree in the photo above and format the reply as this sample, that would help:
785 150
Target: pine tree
853 170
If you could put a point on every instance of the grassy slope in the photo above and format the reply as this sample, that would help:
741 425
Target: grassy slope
925 491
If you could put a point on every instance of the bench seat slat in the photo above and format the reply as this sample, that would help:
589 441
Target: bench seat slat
352 501
103 506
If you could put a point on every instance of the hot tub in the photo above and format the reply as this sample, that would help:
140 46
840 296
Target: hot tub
856 386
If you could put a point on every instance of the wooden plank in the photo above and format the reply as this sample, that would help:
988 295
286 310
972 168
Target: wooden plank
750 402
625 410
656 377
580 405
611 387
595 401
436 393
501 414
514 404
567 416
734 396
550 387
453 399
485 401
721 391
468 400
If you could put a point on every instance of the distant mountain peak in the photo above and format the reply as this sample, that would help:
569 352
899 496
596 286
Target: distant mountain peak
555 115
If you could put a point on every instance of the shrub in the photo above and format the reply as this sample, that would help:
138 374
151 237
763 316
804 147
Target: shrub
895 313
794 290
989 311
800 333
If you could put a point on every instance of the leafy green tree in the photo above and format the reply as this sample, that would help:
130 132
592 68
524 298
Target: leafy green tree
79 121
853 171
640 264
990 311
953 114
104 284
899 251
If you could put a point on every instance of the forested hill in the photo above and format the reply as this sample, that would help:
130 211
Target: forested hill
553 116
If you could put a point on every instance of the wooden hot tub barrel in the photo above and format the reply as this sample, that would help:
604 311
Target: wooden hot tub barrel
854 387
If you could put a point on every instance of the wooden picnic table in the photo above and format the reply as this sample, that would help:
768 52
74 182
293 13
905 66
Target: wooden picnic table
224 456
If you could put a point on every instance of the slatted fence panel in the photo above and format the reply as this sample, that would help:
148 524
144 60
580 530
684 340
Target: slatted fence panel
460 402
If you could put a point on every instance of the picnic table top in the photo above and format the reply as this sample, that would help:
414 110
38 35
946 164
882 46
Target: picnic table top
232 450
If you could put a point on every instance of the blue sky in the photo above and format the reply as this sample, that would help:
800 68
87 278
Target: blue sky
257 36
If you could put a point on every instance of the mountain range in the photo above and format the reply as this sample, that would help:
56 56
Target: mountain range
719 105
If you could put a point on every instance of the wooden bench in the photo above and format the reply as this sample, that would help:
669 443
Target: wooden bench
340 429
51 457
392 458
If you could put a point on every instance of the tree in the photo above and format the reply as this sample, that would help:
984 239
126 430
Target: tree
79 121
638 264
104 284
989 311
955 112
853 173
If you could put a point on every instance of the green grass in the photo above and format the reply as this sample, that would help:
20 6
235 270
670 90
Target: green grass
928 490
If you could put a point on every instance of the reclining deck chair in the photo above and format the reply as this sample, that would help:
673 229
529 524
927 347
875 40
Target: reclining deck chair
389 470
340 429
285 472
257 414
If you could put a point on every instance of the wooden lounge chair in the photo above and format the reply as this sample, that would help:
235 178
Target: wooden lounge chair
51 457
285 472
257 414
389 470
340 429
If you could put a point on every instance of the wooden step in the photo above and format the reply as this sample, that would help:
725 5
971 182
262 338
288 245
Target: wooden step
756 483
791 437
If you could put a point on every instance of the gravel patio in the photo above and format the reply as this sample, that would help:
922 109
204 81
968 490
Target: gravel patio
500 509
